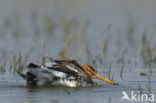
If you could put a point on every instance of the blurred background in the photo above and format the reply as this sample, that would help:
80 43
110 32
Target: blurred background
117 37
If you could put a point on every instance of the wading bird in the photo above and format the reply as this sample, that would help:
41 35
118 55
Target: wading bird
61 72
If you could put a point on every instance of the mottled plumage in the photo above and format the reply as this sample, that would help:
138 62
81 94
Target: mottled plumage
60 72
65 72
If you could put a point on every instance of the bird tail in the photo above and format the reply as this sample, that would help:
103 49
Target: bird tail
36 75
22 75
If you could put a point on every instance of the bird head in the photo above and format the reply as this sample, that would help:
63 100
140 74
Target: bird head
91 72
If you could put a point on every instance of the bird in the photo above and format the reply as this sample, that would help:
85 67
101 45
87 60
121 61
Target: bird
67 73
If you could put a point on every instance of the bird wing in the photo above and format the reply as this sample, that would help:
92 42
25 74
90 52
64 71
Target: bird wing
63 68
67 65
70 72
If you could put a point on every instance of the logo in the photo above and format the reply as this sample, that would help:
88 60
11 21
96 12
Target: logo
137 97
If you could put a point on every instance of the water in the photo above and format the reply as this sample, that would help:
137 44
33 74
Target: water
102 33
17 92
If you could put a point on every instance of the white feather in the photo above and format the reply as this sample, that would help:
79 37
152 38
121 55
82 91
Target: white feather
72 68
50 64
54 72
45 75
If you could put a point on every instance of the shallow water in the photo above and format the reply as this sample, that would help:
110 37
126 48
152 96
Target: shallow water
17 91
91 32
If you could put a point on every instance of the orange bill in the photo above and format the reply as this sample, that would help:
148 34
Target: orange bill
106 80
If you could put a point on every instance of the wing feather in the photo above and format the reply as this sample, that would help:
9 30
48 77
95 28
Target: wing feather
71 65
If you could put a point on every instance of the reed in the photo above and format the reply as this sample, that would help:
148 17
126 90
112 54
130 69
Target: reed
2 67
140 89
109 72
147 52
65 47
121 71
149 85
79 54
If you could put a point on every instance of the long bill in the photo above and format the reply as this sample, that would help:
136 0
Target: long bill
106 80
